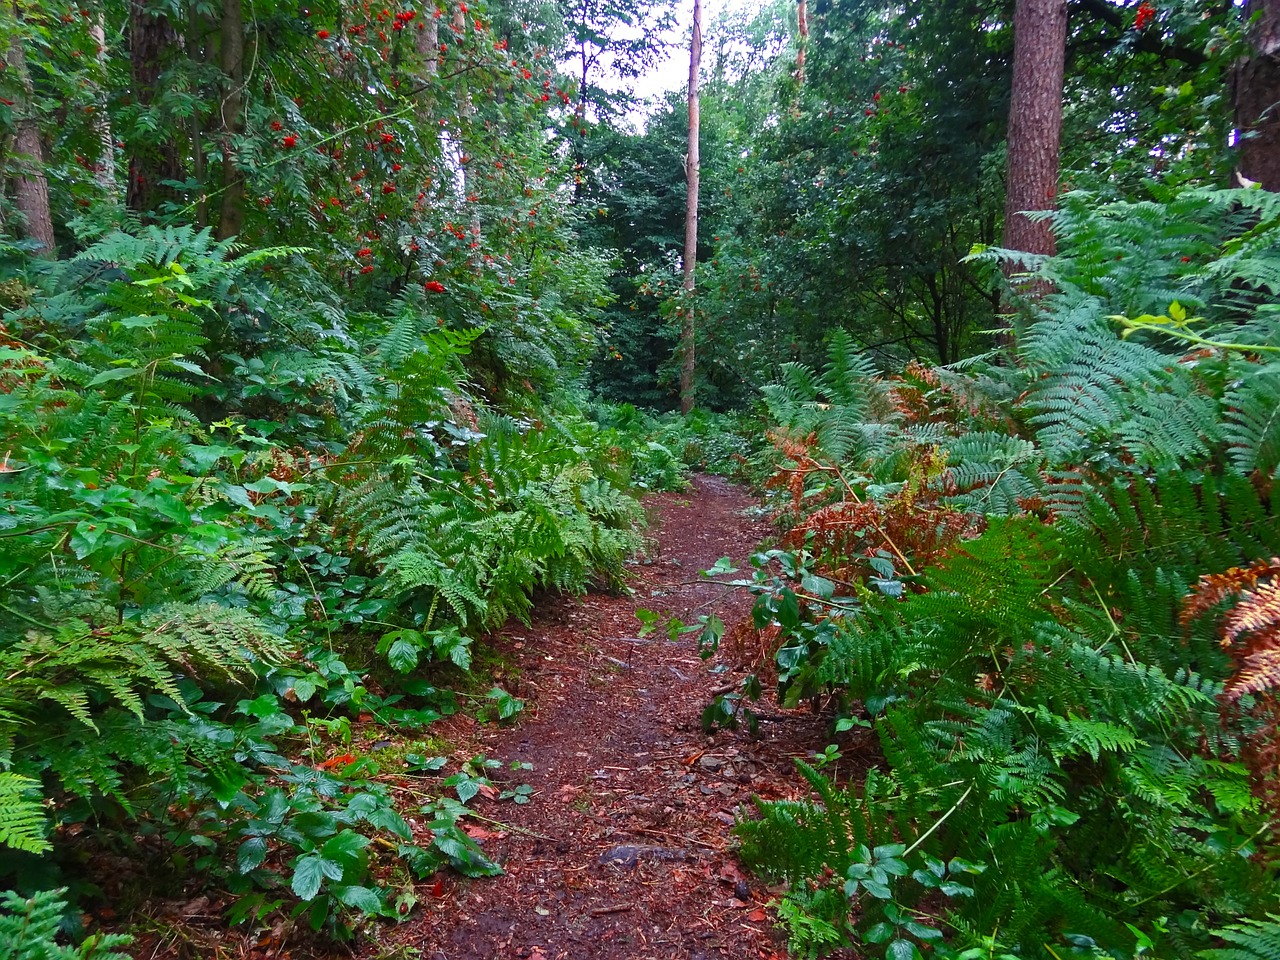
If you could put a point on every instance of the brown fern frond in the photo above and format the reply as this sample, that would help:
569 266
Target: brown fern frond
1258 613
1259 672
1212 589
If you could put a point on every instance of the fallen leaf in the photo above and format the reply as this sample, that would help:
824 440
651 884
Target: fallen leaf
488 791
477 832
730 873
437 888
757 915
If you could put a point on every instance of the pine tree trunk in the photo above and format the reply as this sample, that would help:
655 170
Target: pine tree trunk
152 41
1035 122
1256 92
687 330
31 186
231 118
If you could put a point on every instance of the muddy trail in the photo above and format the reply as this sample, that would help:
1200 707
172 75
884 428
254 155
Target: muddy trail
624 848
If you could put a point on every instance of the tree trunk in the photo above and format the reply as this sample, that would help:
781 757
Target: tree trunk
104 172
802 18
687 330
470 182
231 119
31 186
1035 123
1255 87
152 40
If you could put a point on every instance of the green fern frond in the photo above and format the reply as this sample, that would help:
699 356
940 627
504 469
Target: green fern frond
1252 940
22 821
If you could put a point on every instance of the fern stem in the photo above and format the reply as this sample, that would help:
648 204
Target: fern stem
22 616
939 822
1208 866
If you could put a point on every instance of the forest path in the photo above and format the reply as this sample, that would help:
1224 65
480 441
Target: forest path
623 850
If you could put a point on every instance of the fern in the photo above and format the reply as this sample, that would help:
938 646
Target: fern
1250 939
22 822
28 928
1253 419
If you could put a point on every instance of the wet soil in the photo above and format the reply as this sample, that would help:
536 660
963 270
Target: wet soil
624 850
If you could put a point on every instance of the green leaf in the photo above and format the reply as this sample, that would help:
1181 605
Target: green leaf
119 373
364 899
345 848
308 874
880 891
251 854
902 950
402 656
878 933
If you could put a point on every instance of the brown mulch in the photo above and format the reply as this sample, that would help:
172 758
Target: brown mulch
624 850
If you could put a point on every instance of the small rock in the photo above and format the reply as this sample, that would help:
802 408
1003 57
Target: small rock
710 762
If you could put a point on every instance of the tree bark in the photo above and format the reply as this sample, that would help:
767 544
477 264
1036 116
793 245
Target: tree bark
687 329
1035 123
470 182
152 40
31 186
231 119
1255 87
104 172
802 18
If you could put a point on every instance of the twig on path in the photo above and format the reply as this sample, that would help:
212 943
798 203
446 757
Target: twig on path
671 836
616 908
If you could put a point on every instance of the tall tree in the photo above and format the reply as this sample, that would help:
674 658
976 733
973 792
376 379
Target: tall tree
687 327
1035 122
31 186
155 157
231 118
1256 89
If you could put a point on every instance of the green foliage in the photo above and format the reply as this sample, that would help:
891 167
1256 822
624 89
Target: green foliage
28 928
1251 939
22 824
181 567
1052 729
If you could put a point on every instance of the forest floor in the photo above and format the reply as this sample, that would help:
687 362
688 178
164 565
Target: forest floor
624 849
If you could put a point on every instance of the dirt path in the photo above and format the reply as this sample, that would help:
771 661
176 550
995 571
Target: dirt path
633 804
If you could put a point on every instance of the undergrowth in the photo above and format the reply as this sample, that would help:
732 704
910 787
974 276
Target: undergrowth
224 506
1047 580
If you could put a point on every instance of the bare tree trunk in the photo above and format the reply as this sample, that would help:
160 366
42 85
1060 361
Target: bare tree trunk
31 186
470 182
428 46
1255 87
802 16
687 330
105 170
152 40
1035 122
231 119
